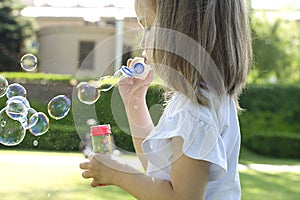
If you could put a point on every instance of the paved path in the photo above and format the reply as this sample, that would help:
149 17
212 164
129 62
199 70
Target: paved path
130 160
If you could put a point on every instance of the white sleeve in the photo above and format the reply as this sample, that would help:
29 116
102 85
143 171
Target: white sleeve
201 141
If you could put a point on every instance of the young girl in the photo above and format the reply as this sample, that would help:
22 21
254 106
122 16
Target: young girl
202 51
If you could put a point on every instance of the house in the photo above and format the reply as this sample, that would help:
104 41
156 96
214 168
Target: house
94 37
85 38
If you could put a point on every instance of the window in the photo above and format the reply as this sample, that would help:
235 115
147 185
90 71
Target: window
86 55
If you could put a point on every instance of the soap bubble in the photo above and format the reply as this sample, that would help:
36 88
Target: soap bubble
15 89
30 119
59 107
35 143
29 62
88 93
41 126
3 123
106 83
11 131
21 99
3 85
16 110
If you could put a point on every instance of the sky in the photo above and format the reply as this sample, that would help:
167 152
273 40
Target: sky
276 4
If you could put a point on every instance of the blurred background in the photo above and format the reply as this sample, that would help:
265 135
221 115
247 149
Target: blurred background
62 34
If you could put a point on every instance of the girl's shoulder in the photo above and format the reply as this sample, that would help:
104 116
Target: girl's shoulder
182 105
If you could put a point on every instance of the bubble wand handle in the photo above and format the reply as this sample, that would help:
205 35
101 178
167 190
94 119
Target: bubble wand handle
137 69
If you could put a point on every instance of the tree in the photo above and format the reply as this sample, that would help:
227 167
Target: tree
14 31
276 51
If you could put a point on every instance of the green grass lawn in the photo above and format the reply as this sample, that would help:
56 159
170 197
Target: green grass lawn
40 179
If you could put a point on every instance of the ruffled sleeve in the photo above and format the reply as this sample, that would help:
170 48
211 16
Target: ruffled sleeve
201 141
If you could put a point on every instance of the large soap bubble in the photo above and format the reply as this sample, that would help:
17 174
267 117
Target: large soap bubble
11 131
59 107
3 85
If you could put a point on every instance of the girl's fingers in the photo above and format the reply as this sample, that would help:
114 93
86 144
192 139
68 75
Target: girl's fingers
84 165
86 174
95 183
129 61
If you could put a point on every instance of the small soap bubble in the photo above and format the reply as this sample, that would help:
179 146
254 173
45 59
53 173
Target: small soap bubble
11 131
20 99
3 123
16 110
15 89
59 107
30 119
106 83
87 93
29 62
41 126
35 143
3 85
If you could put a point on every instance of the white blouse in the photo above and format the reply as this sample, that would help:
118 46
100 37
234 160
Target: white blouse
210 134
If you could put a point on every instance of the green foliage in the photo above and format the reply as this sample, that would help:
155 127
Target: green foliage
15 31
58 138
269 110
65 134
35 77
276 46
270 124
280 145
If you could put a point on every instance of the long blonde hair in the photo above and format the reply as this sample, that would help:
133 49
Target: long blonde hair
223 60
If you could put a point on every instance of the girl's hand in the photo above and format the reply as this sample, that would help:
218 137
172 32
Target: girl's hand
101 168
133 89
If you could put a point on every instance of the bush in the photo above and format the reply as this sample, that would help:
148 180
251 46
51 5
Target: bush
269 109
275 145
58 138
274 112
65 134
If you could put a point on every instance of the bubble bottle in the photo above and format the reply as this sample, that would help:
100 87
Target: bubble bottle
101 140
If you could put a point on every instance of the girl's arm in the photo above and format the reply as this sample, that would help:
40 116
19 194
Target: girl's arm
189 177
133 92
140 123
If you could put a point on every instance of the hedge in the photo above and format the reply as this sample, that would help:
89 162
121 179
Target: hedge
65 134
270 122
276 144
269 110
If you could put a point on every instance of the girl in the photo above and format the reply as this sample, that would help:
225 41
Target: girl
202 51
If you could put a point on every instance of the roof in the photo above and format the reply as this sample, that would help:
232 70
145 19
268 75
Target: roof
91 10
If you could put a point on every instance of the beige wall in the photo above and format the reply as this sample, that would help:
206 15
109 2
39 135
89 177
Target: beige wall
59 45
59 49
